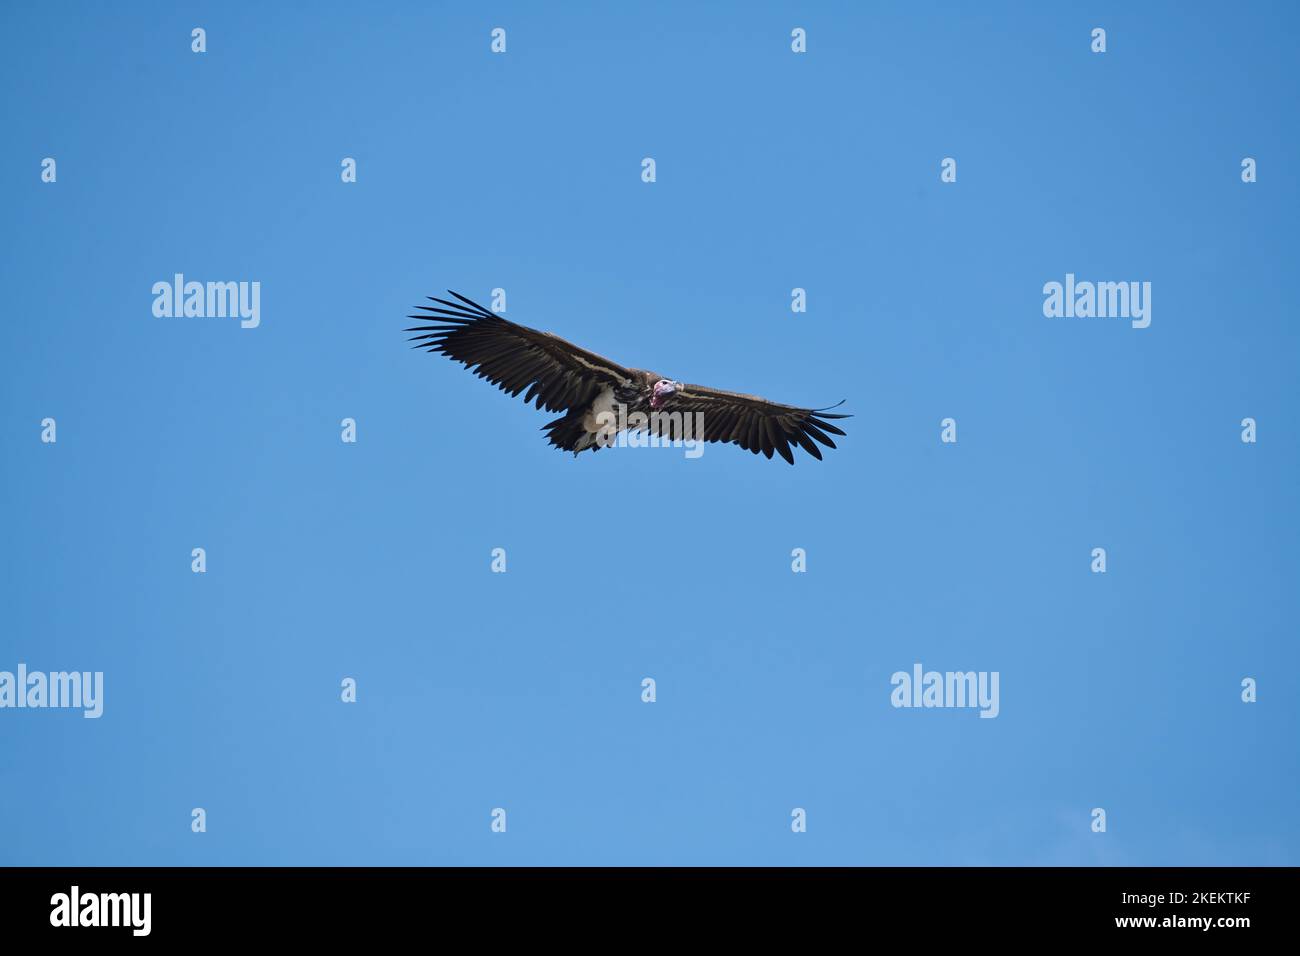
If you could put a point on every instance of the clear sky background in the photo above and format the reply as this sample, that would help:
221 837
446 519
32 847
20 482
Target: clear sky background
523 690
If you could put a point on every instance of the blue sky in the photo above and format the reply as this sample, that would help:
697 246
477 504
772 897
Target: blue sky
522 690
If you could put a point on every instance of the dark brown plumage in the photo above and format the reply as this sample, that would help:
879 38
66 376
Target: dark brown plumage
560 376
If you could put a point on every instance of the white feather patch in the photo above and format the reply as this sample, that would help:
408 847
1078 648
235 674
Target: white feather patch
604 402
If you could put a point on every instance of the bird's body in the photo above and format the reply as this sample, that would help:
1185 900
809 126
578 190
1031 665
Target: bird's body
599 397
583 428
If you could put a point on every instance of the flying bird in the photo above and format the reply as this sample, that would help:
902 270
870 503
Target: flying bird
589 389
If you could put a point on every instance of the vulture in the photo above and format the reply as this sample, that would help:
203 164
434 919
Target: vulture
598 397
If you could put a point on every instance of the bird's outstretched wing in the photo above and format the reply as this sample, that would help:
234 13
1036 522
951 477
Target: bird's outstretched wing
756 424
559 374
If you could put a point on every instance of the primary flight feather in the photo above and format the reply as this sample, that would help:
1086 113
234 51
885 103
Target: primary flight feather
589 389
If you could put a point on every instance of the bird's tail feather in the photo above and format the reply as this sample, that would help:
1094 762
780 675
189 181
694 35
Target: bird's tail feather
569 434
